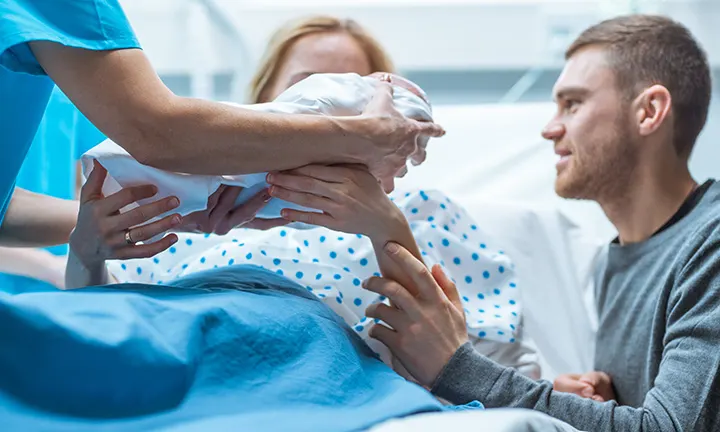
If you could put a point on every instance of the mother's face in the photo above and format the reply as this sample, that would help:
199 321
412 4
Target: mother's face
319 53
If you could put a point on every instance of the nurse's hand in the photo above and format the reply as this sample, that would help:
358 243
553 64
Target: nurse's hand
395 138
222 215
103 233
349 197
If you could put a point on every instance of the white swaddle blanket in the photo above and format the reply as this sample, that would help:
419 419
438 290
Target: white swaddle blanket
320 94
332 265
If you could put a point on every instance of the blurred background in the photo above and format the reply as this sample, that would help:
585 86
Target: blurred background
462 52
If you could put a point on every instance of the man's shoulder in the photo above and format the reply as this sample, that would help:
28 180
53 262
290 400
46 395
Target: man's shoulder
698 250
701 225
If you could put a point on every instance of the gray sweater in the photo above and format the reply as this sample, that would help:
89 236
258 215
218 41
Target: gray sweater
659 339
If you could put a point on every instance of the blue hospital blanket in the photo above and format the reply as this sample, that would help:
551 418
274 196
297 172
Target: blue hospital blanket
238 348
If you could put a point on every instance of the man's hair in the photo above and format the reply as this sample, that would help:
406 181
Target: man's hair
645 50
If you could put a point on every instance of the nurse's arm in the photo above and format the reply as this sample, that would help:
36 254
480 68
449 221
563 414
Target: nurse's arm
34 220
33 263
122 95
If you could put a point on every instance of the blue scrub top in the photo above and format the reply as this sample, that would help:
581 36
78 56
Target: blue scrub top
24 86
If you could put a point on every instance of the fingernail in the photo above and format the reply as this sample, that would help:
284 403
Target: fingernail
588 392
174 202
176 220
269 178
364 283
391 247
266 196
173 240
154 189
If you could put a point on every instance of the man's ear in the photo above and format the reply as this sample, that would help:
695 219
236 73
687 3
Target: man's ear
652 109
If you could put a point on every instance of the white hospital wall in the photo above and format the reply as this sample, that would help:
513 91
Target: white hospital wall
494 153
426 34
186 43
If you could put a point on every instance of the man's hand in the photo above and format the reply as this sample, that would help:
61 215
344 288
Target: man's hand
222 215
592 385
427 320
395 137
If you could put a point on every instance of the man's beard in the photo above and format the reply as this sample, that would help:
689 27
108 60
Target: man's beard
602 171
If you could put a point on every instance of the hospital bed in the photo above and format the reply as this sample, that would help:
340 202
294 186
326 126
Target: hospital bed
494 162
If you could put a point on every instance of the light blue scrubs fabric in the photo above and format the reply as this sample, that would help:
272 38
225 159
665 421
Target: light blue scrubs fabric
24 87
50 168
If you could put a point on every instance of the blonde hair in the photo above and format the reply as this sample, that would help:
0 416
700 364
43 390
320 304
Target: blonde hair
287 35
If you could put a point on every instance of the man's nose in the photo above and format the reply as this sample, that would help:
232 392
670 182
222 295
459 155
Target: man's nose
553 131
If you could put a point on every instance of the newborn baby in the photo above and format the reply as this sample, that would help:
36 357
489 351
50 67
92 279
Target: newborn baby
319 94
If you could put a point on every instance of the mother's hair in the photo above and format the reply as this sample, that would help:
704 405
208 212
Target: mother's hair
283 39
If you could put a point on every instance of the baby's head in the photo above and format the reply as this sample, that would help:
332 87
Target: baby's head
318 44
399 81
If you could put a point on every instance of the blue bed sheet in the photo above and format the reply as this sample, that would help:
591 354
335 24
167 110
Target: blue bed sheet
238 348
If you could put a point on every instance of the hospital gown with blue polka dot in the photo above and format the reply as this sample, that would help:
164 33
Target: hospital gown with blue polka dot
332 265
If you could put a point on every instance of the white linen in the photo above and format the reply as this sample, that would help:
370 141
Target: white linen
494 420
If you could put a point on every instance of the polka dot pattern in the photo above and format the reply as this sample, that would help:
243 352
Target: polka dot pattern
332 265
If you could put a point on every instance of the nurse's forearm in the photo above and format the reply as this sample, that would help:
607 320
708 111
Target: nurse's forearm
121 94
238 141
34 220
33 263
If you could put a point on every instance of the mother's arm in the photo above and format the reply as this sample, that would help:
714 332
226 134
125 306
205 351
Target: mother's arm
352 201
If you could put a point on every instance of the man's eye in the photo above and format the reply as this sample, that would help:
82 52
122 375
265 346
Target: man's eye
571 104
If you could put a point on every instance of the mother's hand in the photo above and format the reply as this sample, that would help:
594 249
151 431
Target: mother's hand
103 233
222 215
427 328
349 197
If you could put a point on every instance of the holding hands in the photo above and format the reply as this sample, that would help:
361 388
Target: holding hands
592 385
426 321
427 318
